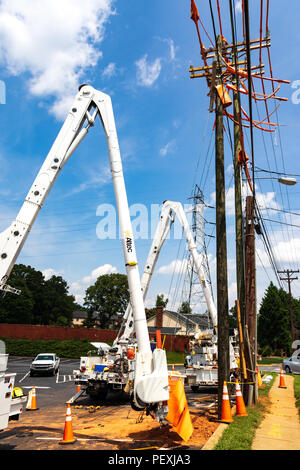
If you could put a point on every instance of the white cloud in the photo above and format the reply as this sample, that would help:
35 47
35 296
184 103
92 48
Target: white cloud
177 266
49 272
54 41
78 288
263 200
110 70
147 72
167 148
285 252
238 6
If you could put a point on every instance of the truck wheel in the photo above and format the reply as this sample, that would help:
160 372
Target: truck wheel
195 388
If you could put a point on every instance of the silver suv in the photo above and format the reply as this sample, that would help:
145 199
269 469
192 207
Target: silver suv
292 365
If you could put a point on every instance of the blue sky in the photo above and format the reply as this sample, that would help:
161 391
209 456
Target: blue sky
139 53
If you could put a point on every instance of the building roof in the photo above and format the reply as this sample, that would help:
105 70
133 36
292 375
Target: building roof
82 315
165 330
186 320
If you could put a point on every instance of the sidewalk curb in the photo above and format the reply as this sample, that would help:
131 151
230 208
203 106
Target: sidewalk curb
216 436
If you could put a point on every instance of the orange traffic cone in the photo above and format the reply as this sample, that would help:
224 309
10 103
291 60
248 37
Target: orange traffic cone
240 405
68 432
78 388
31 403
282 381
259 381
226 416
173 368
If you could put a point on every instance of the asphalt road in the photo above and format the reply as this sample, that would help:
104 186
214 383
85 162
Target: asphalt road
60 388
54 390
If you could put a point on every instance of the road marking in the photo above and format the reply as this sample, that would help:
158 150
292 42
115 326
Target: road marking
65 378
23 378
36 387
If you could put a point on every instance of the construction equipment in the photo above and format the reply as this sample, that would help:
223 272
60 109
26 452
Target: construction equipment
11 403
202 363
113 368
151 373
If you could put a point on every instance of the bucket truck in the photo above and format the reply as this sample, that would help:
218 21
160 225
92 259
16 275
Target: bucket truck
113 368
151 373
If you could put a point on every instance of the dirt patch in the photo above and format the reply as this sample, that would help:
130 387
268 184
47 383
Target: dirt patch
107 427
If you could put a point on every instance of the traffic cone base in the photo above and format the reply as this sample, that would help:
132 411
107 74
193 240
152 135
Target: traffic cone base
226 416
68 437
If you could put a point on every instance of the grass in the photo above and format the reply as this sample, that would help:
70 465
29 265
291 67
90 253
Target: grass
270 360
239 435
175 357
297 391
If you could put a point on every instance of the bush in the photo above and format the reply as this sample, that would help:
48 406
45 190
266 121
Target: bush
267 351
72 349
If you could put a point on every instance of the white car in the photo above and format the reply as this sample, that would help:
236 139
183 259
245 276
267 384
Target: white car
47 363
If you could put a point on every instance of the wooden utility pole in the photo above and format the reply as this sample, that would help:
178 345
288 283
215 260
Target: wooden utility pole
289 279
221 245
212 73
250 294
239 229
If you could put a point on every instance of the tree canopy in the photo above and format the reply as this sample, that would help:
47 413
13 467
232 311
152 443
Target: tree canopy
42 302
274 324
108 297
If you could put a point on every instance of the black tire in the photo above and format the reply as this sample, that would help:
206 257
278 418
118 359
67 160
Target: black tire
287 369
195 388
31 374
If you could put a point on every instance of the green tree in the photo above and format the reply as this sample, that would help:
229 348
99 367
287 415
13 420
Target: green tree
17 308
161 301
273 325
58 304
109 297
185 308
233 318
41 302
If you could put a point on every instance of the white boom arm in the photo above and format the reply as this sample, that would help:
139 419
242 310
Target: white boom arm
88 104
167 216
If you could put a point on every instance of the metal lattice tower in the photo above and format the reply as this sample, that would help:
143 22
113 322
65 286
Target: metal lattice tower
192 292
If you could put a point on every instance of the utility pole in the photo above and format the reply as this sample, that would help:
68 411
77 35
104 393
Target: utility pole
221 243
239 232
289 279
213 74
250 300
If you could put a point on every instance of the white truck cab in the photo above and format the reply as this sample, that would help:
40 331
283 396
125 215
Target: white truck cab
46 363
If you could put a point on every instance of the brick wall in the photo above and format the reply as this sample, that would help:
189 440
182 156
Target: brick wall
172 343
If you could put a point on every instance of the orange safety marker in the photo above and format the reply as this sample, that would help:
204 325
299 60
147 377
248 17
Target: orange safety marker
224 96
158 339
226 416
68 437
282 380
179 415
31 403
240 405
78 388
259 381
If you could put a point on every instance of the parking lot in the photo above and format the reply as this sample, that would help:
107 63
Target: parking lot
111 424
